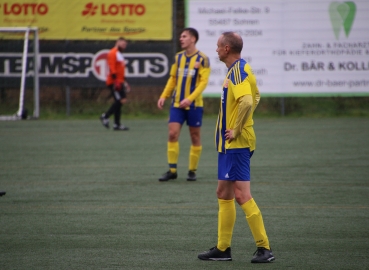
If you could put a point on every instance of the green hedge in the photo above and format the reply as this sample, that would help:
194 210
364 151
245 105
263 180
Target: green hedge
268 107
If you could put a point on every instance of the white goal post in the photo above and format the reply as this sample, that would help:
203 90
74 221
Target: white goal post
20 114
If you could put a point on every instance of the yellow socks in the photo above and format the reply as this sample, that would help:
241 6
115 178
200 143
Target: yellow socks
256 223
173 152
195 153
226 221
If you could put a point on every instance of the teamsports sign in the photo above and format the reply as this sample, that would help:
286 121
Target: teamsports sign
91 20
295 47
85 65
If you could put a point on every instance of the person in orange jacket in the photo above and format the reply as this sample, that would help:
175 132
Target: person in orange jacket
117 84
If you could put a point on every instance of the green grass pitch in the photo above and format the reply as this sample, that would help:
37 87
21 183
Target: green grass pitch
82 197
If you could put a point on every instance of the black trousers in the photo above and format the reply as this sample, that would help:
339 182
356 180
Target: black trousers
115 108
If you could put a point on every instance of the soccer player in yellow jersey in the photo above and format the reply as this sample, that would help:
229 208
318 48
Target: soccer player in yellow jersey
235 142
188 78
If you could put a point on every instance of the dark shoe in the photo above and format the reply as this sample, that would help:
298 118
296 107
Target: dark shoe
104 121
121 127
262 255
167 176
2 193
214 254
191 176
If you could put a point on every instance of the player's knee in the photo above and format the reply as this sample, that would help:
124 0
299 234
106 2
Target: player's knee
195 139
241 198
224 194
173 136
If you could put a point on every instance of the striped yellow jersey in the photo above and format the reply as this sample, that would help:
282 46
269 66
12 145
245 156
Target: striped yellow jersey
189 76
239 81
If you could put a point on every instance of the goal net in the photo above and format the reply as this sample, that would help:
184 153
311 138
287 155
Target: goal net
28 68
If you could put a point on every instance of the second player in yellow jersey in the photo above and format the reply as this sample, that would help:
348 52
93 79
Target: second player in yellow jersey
189 77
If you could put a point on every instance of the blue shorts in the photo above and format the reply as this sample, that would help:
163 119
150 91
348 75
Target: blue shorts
193 116
234 166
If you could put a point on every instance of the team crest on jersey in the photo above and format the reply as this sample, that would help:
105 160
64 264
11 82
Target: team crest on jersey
197 65
225 83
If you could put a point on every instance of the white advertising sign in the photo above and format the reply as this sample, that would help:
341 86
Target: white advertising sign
295 47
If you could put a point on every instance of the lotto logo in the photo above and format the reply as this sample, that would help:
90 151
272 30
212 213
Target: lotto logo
25 8
90 9
114 9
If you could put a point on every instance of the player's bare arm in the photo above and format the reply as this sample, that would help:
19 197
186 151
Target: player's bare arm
161 103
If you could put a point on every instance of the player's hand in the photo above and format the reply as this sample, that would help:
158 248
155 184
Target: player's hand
161 103
229 135
185 103
117 86
127 87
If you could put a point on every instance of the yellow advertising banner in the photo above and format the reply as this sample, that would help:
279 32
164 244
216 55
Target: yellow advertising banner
90 20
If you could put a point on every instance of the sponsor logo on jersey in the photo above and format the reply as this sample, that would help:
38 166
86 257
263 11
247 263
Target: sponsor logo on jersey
184 72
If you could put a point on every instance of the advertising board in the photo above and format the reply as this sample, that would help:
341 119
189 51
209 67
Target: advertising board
295 47
90 20
85 65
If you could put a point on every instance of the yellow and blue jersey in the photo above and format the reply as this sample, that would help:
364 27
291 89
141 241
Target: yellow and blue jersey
189 76
239 81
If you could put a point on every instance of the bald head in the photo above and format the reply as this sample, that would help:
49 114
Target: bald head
233 40
229 47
